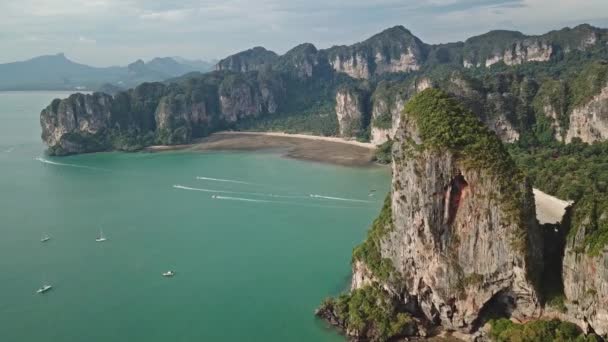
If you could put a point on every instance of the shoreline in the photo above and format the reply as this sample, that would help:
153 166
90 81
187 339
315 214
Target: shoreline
331 150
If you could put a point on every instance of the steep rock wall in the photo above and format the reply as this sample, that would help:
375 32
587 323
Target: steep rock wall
457 239
446 218
350 110
585 272
155 113
589 122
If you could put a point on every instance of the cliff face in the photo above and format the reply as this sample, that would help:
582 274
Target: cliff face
585 268
155 113
446 217
350 110
436 250
386 70
64 122
527 50
513 48
589 122
304 61
495 105
249 60
393 50
388 102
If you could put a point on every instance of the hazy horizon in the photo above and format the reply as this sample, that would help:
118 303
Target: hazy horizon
115 32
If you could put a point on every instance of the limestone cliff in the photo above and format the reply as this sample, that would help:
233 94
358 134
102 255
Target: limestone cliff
248 60
513 48
575 108
156 113
585 267
539 103
65 123
589 122
303 61
350 110
393 50
388 101
457 238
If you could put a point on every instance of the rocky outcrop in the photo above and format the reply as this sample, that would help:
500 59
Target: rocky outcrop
311 81
528 50
436 249
393 50
65 123
513 48
303 61
585 269
155 113
589 122
253 59
443 243
386 116
388 102
350 110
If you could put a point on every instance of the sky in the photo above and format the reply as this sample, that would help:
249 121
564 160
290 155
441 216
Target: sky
117 32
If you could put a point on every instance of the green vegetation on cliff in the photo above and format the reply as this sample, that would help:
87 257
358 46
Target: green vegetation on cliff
504 330
575 171
443 123
370 313
369 251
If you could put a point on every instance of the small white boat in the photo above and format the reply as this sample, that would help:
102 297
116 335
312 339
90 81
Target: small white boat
44 288
168 274
45 238
213 196
101 237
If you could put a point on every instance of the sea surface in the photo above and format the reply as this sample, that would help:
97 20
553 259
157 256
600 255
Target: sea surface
254 253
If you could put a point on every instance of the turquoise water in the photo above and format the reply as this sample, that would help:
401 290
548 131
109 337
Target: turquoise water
251 264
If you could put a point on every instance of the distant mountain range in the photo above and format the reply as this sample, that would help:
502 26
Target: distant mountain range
57 72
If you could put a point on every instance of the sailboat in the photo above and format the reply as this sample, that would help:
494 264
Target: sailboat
44 288
45 238
101 237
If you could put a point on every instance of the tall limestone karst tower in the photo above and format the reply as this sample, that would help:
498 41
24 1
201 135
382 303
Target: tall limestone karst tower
457 238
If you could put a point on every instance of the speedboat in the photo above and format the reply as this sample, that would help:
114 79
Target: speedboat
168 274
44 288
45 238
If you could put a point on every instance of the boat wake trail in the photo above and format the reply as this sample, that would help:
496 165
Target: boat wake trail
46 161
237 192
339 198
220 197
223 180
242 199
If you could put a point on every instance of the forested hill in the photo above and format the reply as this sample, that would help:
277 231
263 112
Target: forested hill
526 88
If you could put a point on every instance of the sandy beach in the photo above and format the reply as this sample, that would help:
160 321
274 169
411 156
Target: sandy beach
549 209
299 146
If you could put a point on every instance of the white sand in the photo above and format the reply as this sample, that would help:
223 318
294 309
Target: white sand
549 209
306 136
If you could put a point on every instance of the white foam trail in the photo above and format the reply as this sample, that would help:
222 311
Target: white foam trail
46 161
182 187
339 198
236 192
177 186
223 180
242 199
